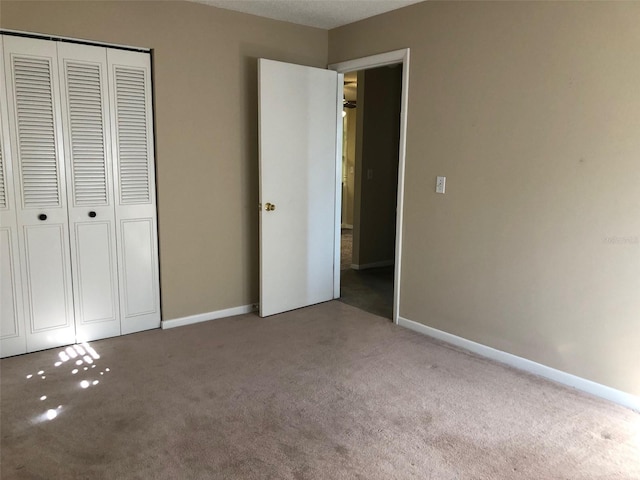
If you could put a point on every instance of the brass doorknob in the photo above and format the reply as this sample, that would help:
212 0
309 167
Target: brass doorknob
269 207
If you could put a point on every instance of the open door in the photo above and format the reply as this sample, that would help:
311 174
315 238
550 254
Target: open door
299 121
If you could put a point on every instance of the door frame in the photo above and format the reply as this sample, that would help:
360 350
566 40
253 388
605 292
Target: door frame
365 63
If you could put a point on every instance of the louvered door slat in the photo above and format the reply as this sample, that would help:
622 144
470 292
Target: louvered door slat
36 132
84 97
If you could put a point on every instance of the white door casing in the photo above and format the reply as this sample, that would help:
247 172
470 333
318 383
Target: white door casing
31 74
12 332
299 125
84 100
135 195
374 61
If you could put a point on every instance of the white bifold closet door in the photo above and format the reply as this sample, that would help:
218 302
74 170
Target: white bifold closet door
33 91
12 330
77 143
135 194
84 98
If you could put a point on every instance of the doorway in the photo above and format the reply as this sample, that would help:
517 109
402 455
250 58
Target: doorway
371 281
371 124
285 236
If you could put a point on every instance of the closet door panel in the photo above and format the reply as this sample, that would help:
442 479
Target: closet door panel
47 280
83 74
12 331
95 292
138 239
9 325
31 72
132 143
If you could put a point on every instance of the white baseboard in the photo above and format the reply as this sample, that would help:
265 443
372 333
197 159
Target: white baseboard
599 390
205 317
364 266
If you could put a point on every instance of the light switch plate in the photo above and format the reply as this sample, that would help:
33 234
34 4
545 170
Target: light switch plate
440 184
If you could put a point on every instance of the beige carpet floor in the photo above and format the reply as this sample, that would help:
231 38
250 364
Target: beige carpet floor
327 392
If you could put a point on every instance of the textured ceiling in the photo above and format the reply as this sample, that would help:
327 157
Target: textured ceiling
325 14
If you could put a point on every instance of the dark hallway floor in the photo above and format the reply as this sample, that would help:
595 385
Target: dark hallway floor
370 290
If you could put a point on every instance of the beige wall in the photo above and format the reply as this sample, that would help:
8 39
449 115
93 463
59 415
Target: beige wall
205 81
532 111
378 113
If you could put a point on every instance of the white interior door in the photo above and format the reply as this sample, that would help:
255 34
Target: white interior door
83 78
31 71
299 175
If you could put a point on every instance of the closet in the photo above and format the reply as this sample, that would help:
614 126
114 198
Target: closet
78 234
